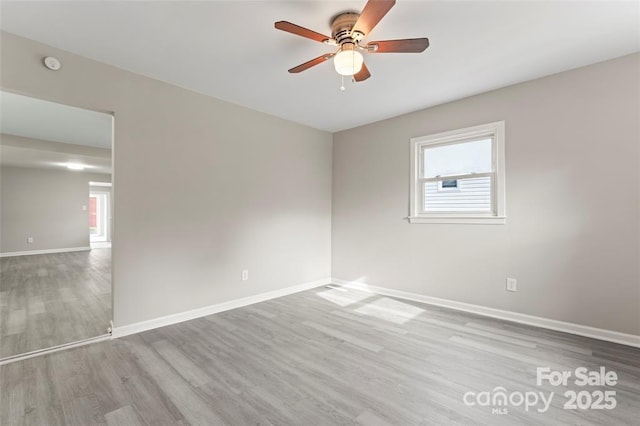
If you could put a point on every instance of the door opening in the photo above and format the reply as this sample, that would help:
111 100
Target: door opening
99 218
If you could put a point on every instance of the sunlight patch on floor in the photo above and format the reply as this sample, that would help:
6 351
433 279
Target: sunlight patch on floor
390 310
344 297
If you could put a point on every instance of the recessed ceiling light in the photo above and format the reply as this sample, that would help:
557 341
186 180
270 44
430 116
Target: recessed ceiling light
75 166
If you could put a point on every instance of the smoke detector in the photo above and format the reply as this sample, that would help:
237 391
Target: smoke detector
52 63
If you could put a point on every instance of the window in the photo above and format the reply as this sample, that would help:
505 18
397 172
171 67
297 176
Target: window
458 176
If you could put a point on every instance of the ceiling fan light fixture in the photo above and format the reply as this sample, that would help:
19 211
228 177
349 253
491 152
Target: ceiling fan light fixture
348 61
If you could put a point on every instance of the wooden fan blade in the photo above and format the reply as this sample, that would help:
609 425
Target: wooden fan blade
411 45
363 74
372 13
311 63
301 31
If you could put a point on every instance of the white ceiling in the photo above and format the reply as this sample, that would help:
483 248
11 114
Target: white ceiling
230 50
38 119
42 134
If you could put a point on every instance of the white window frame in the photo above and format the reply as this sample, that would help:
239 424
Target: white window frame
496 131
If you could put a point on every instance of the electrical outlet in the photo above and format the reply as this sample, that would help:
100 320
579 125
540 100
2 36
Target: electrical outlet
512 284
29 240
245 274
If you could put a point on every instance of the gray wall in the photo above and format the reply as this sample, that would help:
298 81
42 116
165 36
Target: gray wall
45 205
573 229
202 188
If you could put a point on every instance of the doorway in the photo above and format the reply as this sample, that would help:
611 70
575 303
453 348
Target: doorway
55 255
99 215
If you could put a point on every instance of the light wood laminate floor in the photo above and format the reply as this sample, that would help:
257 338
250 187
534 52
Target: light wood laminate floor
52 299
321 357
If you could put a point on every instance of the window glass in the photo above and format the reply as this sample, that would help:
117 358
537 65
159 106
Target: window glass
458 159
474 195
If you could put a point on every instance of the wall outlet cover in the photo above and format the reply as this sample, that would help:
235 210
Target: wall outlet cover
512 284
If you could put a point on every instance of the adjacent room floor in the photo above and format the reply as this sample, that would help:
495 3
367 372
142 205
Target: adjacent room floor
321 357
52 299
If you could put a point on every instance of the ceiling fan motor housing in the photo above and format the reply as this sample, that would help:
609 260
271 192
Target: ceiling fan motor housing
341 27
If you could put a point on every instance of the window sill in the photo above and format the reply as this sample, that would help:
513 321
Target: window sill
470 220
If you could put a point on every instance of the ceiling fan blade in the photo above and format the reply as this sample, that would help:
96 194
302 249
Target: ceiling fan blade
363 74
372 13
311 63
301 31
411 45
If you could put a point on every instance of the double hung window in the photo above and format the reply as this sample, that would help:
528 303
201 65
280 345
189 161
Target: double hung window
458 176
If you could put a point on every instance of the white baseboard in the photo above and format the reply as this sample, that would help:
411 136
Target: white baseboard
53 349
566 327
32 252
139 327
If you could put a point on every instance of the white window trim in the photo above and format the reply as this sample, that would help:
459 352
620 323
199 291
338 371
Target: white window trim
495 129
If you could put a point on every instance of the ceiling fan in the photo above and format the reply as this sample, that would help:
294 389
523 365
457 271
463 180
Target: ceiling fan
348 29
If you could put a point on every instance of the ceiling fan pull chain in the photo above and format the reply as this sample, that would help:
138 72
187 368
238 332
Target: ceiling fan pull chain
342 88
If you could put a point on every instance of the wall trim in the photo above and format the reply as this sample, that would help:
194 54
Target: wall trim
550 324
47 251
141 326
53 349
